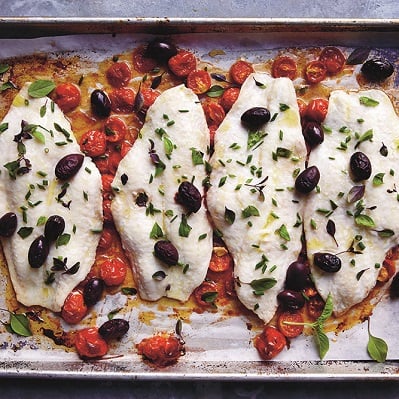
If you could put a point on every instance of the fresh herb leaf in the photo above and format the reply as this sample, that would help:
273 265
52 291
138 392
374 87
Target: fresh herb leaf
63 239
156 231
364 220
385 233
197 157
378 179
25 232
377 348
184 227
261 285
368 102
40 88
19 324
128 291
283 233
215 91
358 56
250 210
229 215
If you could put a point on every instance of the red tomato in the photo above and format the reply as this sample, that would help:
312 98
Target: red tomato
106 238
115 129
229 97
315 72
149 96
289 330
67 96
302 107
89 343
107 180
122 100
107 214
284 67
182 63
161 350
93 143
199 81
74 308
125 147
119 74
333 59
142 64
206 293
214 112
113 272
315 306
220 263
269 343
240 70
317 109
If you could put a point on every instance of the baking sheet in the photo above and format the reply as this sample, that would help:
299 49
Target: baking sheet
217 347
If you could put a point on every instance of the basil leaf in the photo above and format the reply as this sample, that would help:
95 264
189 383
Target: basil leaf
385 233
4 68
327 311
377 348
184 228
250 210
40 88
63 239
322 342
19 324
215 91
261 285
368 102
364 220
156 231
378 179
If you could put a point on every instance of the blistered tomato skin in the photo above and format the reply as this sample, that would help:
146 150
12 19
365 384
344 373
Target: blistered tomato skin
315 72
284 66
229 97
333 59
269 343
182 63
94 143
74 309
119 74
90 344
67 96
240 70
317 110
113 272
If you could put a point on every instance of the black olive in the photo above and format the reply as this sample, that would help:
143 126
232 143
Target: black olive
328 262
360 166
394 288
114 329
255 117
298 276
8 224
189 196
160 50
307 180
100 103
38 252
377 69
93 291
54 227
313 133
291 300
68 166
166 252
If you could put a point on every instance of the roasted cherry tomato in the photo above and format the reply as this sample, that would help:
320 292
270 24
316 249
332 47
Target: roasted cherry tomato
89 343
317 109
220 263
107 180
302 107
119 74
122 100
269 343
240 70
229 97
290 330
284 67
214 112
182 63
125 148
333 59
107 214
206 293
74 308
93 143
115 129
315 72
143 64
161 350
315 306
149 96
67 96
199 81
113 272
106 238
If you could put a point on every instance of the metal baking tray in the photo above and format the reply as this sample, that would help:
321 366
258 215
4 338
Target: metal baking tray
28 358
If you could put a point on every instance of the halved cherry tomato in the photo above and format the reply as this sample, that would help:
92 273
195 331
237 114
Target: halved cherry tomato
149 96
333 59
106 238
74 308
289 330
229 97
269 343
89 344
182 63
302 107
240 70
122 100
214 112
315 306
115 129
199 81
317 110
107 180
93 143
113 272
107 214
220 263
284 67
67 96
119 74
161 350
143 64
315 72
125 148
206 293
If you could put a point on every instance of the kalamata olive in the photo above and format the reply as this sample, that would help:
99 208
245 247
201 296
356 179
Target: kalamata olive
298 276
166 252
307 180
8 224
291 300
360 166
328 262
68 166
54 227
313 133
160 50
377 69
255 117
114 329
93 291
38 251
100 103
189 196
394 288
